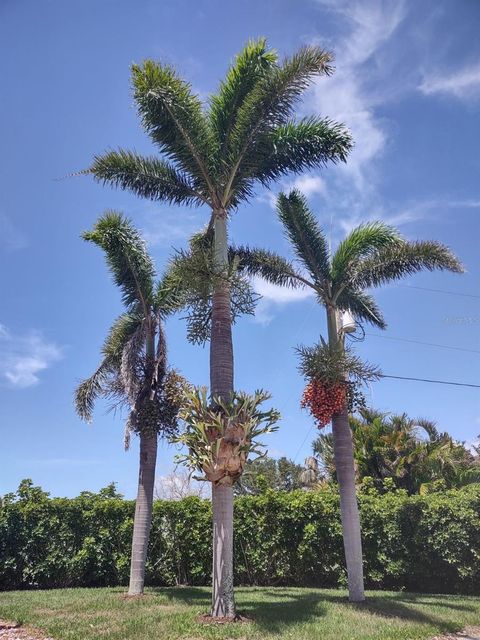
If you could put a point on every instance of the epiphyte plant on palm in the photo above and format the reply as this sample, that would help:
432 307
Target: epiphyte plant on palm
220 434
215 155
133 371
371 255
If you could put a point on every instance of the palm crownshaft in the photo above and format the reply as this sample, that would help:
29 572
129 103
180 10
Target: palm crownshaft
216 156
371 255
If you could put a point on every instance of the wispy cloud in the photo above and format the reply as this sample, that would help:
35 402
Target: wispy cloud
461 83
24 357
348 95
11 238
273 297
165 227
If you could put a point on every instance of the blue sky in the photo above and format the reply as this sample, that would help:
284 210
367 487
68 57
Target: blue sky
408 86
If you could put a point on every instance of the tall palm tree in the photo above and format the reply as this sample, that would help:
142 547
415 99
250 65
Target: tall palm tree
371 255
133 370
215 156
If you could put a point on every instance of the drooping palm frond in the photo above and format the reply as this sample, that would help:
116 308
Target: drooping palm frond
362 306
365 240
150 178
94 387
174 118
267 265
303 231
249 66
402 259
121 331
127 257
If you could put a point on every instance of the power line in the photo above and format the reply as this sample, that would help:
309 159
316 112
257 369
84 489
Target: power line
303 442
428 344
455 384
452 293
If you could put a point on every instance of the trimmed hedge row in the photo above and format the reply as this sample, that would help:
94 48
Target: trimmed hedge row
425 543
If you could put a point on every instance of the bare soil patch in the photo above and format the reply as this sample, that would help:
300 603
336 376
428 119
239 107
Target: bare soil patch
15 631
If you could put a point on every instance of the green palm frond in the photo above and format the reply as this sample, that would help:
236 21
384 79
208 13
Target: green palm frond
296 146
150 178
402 259
362 242
302 229
267 265
249 66
89 390
174 118
121 331
362 306
267 106
127 257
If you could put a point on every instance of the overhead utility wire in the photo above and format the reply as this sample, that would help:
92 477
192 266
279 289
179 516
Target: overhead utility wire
429 344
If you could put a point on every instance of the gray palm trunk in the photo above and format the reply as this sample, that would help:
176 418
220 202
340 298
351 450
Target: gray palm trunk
146 483
143 512
344 464
221 384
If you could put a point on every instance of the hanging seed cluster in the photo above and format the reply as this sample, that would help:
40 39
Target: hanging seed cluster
324 399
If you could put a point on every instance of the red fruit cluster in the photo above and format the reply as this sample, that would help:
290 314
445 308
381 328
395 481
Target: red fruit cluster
324 400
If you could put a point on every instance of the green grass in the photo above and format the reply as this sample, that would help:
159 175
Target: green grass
303 614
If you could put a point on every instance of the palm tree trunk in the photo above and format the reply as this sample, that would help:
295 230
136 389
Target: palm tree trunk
221 384
143 512
345 467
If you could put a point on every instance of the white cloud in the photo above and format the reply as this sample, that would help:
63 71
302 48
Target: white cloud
346 96
274 296
171 226
23 358
308 185
11 237
462 83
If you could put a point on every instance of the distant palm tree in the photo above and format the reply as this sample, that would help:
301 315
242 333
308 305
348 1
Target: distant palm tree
215 156
371 255
133 370
412 452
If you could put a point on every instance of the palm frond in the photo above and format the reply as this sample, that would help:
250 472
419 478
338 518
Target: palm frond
174 118
296 146
249 66
150 178
402 259
121 331
303 231
127 257
269 105
89 390
364 241
267 265
362 306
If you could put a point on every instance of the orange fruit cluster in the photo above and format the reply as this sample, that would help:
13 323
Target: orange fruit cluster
324 400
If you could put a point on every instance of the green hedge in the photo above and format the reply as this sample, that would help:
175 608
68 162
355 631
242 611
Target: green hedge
426 543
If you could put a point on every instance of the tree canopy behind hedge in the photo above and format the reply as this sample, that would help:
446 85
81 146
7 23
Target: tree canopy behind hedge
425 543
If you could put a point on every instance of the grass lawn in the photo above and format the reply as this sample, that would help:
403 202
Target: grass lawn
303 614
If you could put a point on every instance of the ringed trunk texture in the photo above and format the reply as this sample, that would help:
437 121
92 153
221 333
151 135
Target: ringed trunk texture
221 384
345 467
143 513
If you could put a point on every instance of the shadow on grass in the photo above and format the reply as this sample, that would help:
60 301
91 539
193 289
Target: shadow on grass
274 609
397 606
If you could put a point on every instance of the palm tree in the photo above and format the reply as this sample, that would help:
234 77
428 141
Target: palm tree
371 255
411 452
215 156
133 370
